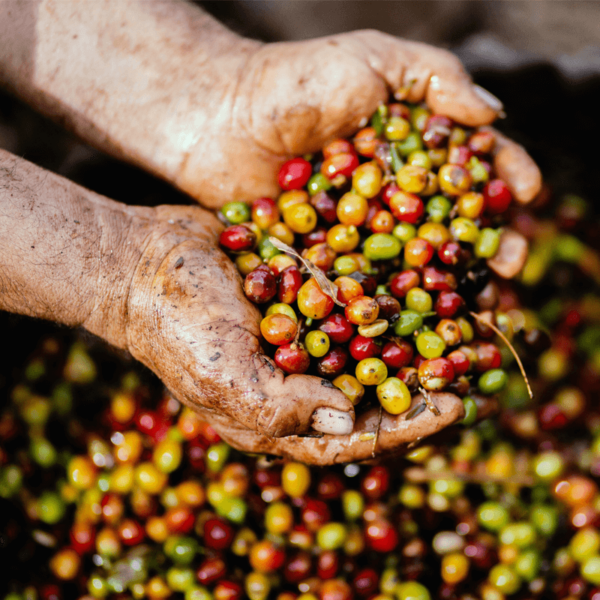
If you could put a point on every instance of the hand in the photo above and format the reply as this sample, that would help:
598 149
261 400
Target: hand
293 97
189 321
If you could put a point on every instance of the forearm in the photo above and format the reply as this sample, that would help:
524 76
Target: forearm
66 254
111 70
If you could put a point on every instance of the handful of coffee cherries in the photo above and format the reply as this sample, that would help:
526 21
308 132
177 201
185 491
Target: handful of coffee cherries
368 264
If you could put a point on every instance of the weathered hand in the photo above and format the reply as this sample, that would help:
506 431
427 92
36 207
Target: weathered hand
292 97
189 321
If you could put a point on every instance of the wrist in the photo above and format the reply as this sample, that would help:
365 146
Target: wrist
146 81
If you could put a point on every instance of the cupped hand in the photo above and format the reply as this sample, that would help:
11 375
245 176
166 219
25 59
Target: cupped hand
189 321
292 97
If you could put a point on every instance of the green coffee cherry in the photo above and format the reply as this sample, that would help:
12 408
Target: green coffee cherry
382 246
408 322
236 212
493 381
438 208
487 243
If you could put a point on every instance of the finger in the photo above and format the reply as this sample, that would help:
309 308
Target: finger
295 403
516 168
511 256
417 72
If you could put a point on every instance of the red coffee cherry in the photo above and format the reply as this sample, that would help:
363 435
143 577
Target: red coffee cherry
294 174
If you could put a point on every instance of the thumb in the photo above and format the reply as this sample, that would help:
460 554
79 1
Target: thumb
295 403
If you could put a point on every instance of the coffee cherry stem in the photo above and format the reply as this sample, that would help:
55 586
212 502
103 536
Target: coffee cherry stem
510 347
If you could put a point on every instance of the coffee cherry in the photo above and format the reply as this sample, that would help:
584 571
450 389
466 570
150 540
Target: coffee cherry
365 142
406 207
351 387
312 301
460 362
436 374
488 356
454 180
338 328
362 310
381 246
418 252
260 285
411 179
382 222
389 308
246 263
278 329
237 238
343 238
292 358
436 280
348 288
289 284
362 347
403 282
339 167
393 395
264 212
436 131
430 344
397 354
497 196
333 363
294 174
317 343
300 218
449 331
448 303
450 253
371 371
381 536
459 155
352 209
434 233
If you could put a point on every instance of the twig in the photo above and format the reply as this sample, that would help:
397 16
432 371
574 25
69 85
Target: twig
510 347
430 405
377 430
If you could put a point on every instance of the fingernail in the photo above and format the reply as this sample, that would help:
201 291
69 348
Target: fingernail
488 98
329 420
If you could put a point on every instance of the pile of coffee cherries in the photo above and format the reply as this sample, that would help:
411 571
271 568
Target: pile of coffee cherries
400 218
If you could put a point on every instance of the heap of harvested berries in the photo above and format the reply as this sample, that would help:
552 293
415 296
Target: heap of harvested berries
116 491
369 260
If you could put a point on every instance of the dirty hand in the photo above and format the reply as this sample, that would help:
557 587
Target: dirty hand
293 97
153 281
189 321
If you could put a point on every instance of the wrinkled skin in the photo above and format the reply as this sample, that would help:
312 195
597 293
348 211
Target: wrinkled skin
216 116
202 341
293 97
